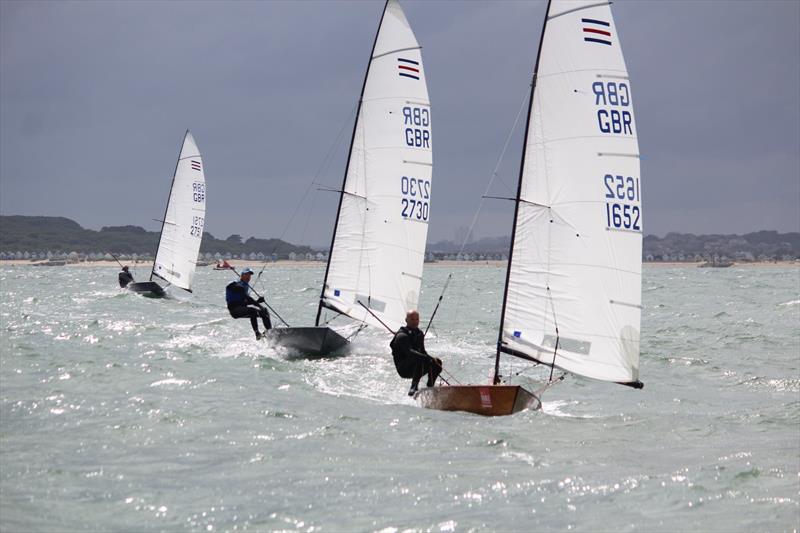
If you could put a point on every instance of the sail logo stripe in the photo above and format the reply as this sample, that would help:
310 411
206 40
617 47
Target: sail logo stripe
196 165
590 26
601 32
595 21
407 71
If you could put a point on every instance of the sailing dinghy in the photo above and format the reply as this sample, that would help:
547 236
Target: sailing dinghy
182 227
572 297
377 251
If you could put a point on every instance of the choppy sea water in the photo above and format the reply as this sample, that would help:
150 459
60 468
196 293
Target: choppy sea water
123 413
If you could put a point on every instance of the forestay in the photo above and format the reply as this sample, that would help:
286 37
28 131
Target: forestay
378 248
182 229
575 276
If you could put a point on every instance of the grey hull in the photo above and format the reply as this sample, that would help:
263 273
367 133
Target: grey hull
150 289
315 341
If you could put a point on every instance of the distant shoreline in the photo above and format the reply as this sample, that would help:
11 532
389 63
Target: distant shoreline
256 265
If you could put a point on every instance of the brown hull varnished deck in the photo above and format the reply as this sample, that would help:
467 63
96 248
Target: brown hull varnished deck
487 400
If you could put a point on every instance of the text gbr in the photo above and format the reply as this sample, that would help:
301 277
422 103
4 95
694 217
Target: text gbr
615 115
417 123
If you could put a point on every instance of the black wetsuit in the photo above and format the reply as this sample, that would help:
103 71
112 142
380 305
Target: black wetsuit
410 358
125 278
240 305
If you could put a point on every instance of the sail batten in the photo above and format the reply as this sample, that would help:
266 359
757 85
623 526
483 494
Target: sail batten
378 248
184 220
573 292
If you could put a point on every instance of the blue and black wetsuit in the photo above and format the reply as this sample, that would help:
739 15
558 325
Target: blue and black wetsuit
240 305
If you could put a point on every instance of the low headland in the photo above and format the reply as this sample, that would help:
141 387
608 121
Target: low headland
59 241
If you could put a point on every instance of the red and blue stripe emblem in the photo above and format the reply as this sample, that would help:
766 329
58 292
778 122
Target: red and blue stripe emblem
408 68
596 31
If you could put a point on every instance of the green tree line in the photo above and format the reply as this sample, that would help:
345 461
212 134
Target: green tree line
60 234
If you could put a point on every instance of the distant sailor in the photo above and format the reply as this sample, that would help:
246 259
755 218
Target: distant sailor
241 305
125 277
410 358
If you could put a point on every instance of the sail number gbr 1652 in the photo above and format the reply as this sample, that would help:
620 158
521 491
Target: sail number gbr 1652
623 209
416 194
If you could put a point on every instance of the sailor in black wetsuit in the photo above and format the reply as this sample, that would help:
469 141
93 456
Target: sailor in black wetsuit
240 304
125 277
410 358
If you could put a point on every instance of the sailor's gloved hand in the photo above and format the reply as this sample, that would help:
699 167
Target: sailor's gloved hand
260 300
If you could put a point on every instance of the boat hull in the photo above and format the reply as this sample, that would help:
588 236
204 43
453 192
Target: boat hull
487 400
315 341
151 289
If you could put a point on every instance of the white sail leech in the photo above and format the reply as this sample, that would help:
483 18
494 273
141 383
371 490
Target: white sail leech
182 231
378 251
575 261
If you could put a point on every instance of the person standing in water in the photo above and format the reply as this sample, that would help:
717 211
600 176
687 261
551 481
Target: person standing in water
410 358
241 305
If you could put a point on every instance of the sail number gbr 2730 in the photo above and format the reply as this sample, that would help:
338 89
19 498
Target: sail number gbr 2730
417 127
415 197
623 209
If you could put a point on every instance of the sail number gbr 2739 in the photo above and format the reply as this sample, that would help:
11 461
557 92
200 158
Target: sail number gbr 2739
415 197
196 229
623 209
199 192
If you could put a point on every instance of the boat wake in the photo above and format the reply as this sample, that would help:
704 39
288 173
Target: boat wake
557 408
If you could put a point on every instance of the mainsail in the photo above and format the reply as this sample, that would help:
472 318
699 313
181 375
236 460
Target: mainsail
378 246
182 228
573 296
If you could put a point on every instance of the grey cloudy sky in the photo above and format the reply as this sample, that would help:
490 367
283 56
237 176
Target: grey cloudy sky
95 97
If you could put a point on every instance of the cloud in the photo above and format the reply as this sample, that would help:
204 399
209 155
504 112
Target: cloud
94 99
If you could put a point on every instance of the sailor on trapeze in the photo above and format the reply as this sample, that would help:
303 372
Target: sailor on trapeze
410 358
240 304
125 277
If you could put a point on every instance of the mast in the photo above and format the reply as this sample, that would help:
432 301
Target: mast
496 377
347 167
166 209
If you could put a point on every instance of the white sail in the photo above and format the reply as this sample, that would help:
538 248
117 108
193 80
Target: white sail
182 229
379 243
575 274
